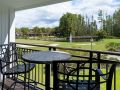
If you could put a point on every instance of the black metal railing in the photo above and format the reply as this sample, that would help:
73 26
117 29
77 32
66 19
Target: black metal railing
38 74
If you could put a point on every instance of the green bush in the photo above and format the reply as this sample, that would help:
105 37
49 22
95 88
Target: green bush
112 37
101 34
112 46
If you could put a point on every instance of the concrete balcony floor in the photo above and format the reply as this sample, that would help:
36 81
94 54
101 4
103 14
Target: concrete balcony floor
9 82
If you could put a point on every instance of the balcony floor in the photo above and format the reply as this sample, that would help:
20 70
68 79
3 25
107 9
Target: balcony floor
18 86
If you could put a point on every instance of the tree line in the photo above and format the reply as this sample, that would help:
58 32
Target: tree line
110 24
25 31
78 25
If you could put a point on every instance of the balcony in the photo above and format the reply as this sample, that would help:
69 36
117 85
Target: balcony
37 75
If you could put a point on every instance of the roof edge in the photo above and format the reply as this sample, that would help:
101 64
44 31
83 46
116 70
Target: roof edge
41 4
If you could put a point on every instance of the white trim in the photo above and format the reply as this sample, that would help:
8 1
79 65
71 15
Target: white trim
28 4
40 4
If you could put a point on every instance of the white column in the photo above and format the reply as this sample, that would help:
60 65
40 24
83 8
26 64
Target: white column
12 25
7 27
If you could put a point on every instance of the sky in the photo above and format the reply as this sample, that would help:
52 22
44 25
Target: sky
49 16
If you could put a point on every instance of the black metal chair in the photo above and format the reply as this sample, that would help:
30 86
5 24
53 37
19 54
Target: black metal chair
74 77
10 65
81 76
106 76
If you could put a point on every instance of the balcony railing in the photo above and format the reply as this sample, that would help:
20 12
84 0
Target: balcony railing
37 76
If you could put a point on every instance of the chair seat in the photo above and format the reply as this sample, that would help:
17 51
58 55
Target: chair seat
18 69
82 85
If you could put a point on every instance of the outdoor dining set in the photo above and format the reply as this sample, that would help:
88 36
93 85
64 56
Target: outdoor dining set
67 72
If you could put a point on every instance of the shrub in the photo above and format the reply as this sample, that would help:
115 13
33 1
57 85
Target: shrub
101 34
112 46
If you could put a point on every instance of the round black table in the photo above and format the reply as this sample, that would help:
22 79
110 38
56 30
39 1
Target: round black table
46 57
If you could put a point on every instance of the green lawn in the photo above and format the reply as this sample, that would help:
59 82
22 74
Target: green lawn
99 45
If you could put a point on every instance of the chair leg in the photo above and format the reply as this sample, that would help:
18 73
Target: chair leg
15 81
25 81
28 80
14 86
3 82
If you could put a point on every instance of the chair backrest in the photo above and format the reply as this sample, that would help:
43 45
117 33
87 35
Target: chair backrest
4 51
83 75
106 76
109 79
7 52
77 77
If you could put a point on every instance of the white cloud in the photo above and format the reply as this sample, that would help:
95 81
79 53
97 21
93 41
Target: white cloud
49 16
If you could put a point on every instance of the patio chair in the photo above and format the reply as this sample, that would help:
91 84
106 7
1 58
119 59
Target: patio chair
107 77
73 78
14 67
78 79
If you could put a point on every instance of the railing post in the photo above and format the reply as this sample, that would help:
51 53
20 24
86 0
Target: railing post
115 79
83 74
90 70
77 76
98 58
55 77
107 65
47 76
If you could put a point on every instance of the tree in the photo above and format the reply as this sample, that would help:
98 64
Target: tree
36 30
25 31
116 23
49 31
92 26
108 25
80 26
18 31
68 24
100 18
101 34
57 31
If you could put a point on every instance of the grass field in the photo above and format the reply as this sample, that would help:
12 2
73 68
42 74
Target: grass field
100 45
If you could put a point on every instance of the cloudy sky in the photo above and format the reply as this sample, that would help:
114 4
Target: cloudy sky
48 16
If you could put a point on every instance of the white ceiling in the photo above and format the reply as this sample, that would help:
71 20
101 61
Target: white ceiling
27 4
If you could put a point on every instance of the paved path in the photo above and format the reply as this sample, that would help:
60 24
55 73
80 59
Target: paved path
86 44
24 46
53 44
